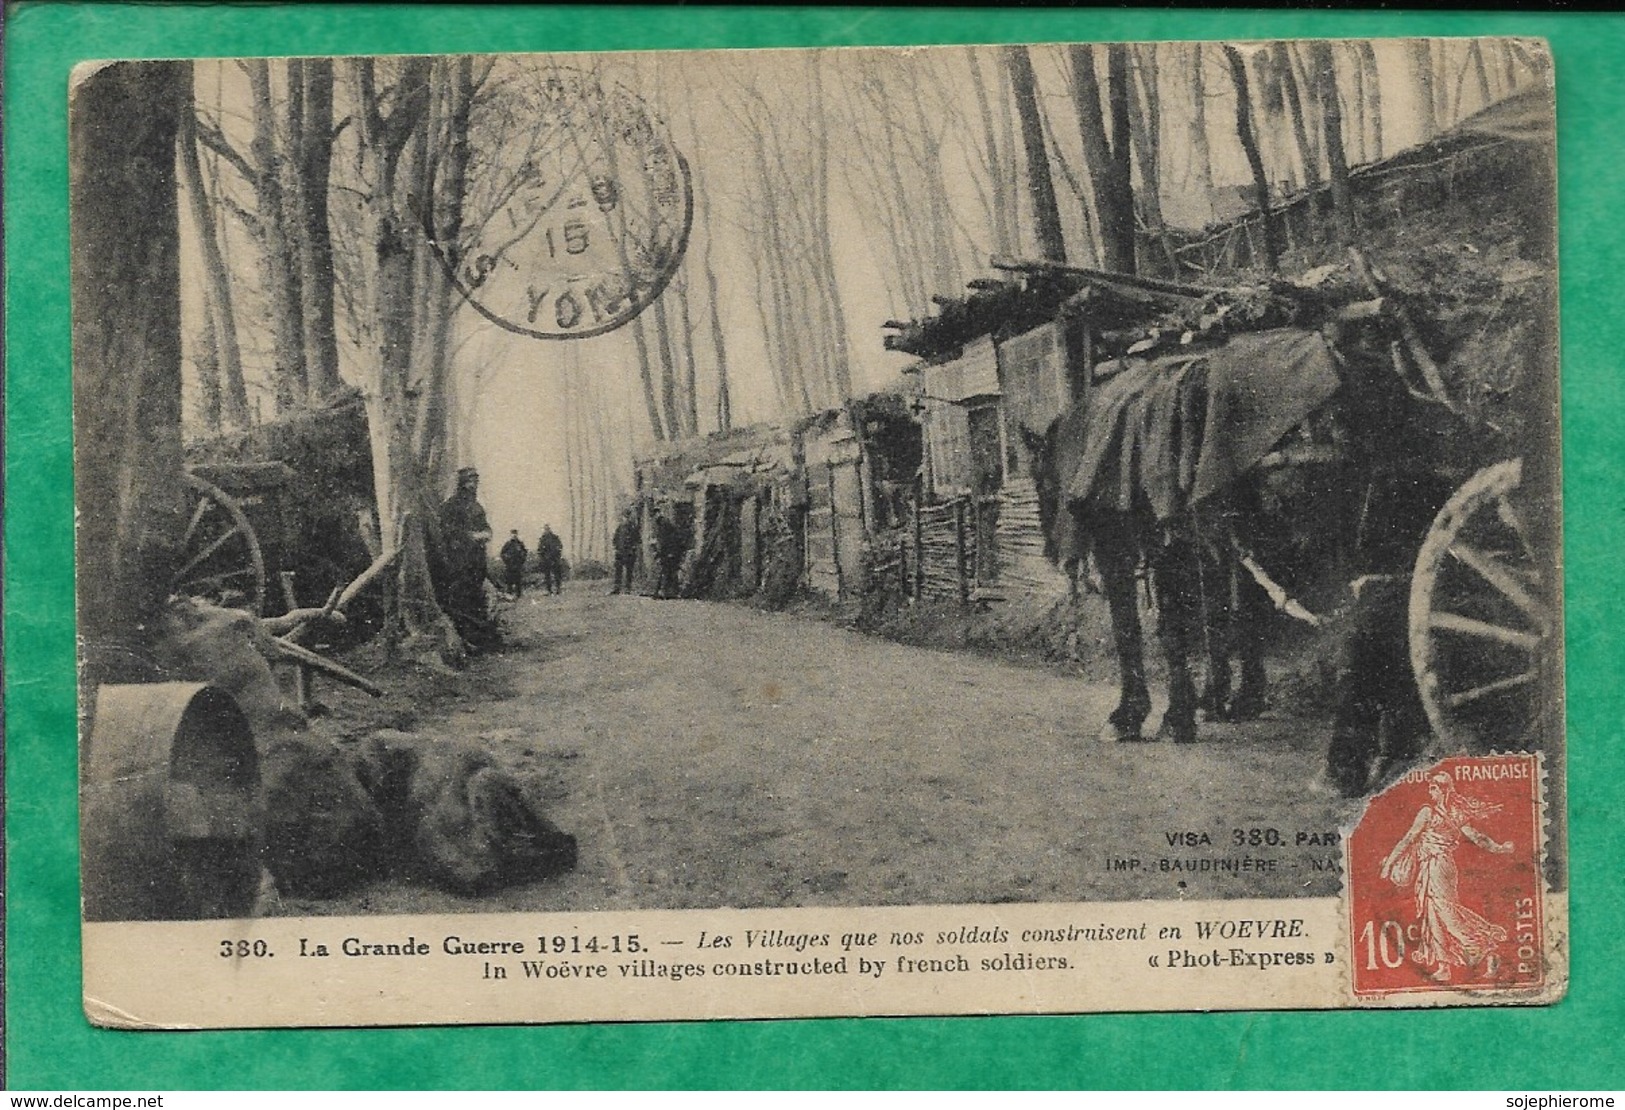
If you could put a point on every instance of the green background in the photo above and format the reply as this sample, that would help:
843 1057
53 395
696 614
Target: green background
50 1045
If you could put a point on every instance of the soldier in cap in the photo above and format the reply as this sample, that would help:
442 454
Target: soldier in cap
464 533
627 541
550 556
671 544
514 555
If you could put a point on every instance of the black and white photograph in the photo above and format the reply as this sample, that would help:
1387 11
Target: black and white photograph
818 531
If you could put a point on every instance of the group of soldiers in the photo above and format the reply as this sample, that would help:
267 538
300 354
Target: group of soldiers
670 546
465 533
549 559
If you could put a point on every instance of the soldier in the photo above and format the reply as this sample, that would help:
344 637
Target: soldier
670 547
550 556
514 555
628 538
464 533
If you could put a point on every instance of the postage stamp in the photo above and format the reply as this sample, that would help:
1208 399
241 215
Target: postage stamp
1444 878
654 536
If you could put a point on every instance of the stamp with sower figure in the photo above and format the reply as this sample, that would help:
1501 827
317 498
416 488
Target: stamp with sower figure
1444 880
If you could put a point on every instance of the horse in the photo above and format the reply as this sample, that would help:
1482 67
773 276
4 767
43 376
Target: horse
1204 601
1158 468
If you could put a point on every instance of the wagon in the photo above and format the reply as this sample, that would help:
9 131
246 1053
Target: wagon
224 558
1485 618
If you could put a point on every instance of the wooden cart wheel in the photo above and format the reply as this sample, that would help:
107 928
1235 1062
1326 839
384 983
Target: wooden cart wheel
1483 623
221 557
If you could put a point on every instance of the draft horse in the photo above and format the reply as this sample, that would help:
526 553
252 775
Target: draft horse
1158 469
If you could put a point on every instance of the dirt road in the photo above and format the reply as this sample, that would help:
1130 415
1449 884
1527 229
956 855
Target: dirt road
710 755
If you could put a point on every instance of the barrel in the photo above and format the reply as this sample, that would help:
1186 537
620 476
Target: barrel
169 805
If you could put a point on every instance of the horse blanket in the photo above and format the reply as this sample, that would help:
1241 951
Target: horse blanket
1178 429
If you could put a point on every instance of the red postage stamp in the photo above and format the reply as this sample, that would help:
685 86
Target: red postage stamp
1445 883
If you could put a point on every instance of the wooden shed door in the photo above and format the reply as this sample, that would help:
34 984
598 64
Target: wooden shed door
847 501
987 452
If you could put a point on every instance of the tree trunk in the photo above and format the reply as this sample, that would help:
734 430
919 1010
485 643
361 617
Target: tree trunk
1481 73
1145 125
232 393
1046 214
1249 147
404 501
316 240
691 373
1000 224
1373 84
1325 72
822 245
668 369
443 180
646 378
1308 158
724 399
1113 193
1121 181
1424 79
1357 101
1201 151
125 275
719 349
279 274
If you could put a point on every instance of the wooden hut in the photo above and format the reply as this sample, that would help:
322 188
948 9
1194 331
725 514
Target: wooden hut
722 491
995 367
737 498
860 463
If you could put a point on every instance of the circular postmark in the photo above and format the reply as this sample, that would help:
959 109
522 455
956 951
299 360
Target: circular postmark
577 205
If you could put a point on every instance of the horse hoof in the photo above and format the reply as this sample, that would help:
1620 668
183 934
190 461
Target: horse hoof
1116 734
1178 732
1245 709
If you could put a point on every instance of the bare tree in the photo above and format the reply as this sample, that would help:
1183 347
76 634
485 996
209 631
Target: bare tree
128 463
996 184
226 395
1145 126
1427 99
1200 149
1373 99
1046 214
786 214
691 373
719 346
1325 72
314 161
669 407
1249 146
279 268
390 162
1107 158
1281 63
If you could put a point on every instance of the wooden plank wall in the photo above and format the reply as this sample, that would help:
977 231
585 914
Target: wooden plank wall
947 550
1023 566
822 573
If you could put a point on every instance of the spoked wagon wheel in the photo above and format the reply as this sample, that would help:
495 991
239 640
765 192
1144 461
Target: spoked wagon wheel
221 558
1483 618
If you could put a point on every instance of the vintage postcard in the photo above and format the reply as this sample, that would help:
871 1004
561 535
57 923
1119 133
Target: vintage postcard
1019 529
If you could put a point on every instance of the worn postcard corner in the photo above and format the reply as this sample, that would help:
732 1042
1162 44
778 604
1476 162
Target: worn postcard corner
951 530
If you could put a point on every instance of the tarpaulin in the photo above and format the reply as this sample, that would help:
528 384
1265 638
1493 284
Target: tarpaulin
1176 430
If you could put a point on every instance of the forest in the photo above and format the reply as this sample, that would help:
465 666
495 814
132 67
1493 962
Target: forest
333 213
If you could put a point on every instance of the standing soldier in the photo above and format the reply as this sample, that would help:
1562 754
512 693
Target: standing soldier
628 538
550 555
670 547
464 532
514 554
